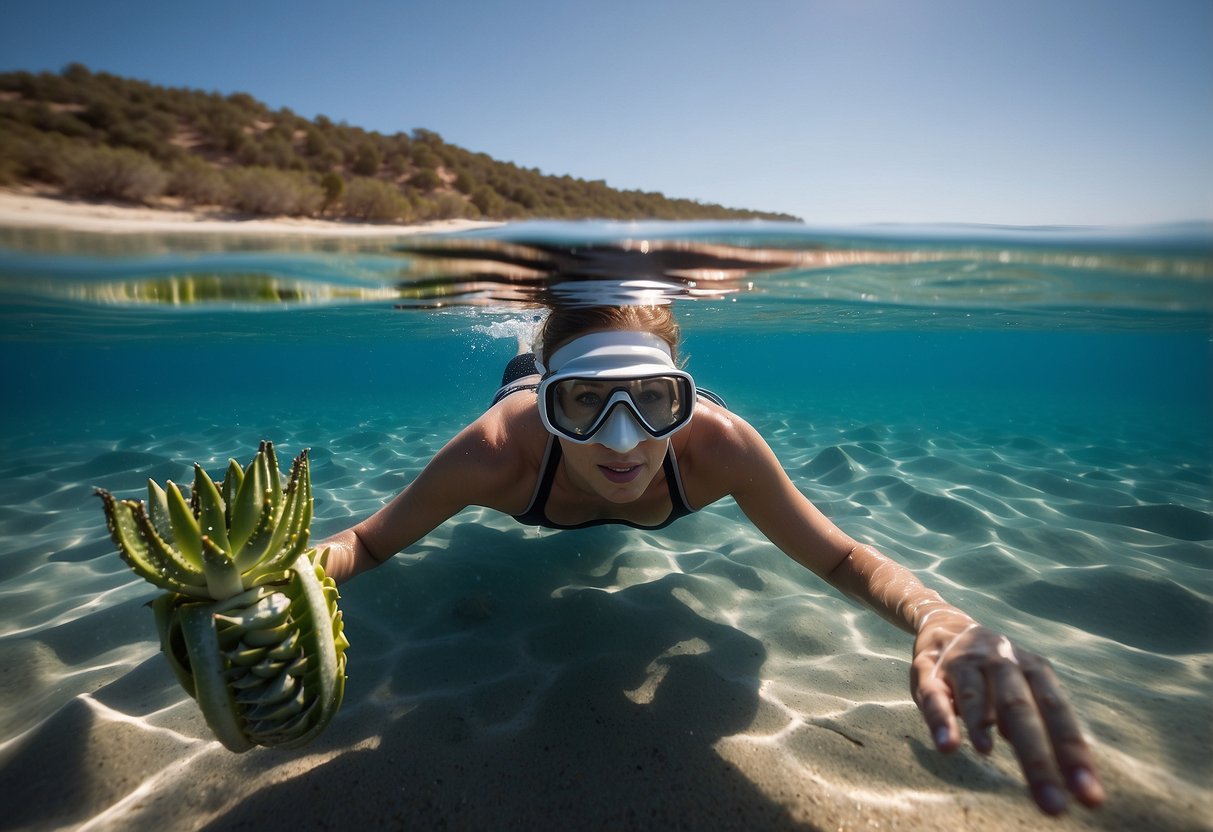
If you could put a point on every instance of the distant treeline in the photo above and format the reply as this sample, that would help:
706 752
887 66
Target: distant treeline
96 135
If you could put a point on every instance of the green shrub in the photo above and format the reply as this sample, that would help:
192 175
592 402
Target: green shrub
372 199
488 201
111 173
367 160
198 183
425 158
425 180
315 143
334 188
274 192
455 206
397 164
465 182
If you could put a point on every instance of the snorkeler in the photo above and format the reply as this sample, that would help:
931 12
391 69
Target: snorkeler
605 428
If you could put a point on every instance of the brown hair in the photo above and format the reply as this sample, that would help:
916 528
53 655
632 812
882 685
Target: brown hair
565 324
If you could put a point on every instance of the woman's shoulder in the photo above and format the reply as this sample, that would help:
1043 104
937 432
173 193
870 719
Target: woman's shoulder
718 447
715 429
509 432
494 460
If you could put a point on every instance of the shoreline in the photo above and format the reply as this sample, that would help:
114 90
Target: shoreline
41 210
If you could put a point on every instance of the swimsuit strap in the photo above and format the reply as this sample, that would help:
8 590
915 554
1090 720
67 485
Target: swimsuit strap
536 514
536 511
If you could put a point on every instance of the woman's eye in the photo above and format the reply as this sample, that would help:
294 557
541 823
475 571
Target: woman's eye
588 399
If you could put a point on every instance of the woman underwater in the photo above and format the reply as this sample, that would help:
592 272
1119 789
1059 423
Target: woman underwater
607 429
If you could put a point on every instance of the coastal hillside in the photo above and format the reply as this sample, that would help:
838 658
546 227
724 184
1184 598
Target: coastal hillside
99 136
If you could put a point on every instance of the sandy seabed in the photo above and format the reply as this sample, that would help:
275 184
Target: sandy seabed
508 678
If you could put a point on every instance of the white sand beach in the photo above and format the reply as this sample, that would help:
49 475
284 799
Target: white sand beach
25 208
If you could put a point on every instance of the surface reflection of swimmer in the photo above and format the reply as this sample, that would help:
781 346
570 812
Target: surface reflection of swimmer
606 429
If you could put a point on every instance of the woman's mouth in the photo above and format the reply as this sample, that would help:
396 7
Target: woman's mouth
620 474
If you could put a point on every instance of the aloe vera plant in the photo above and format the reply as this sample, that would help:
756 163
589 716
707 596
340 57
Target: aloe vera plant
249 622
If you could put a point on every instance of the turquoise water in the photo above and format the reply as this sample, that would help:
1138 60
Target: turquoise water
1023 416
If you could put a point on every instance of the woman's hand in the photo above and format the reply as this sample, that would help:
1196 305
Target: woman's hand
962 669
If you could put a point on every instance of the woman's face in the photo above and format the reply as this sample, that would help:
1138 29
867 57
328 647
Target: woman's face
617 477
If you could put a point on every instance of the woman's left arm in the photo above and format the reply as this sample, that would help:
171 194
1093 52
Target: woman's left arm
959 667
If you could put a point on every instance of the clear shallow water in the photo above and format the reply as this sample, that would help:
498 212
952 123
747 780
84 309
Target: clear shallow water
1024 417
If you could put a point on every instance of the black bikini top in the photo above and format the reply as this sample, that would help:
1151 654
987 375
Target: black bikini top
536 512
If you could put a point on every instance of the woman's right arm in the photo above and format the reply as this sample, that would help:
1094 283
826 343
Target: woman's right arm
477 467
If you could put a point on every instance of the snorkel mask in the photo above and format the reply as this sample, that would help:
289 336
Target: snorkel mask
615 388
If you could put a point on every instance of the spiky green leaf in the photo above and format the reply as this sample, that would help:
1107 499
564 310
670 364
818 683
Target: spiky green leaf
157 507
181 576
222 578
185 526
212 520
168 626
231 487
248 504
213 695
123 524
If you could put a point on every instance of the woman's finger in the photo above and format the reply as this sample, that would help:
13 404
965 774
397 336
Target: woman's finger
936 705
1020 722
1070 749
973 703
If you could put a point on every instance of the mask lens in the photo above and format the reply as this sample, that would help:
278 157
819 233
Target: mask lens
576 405
658 401
579 403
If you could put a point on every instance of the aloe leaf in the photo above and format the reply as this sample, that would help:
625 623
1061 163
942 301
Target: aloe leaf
316 633
211 516
168 625
294 732
262 461
291 535
177 574
241 679
248 505
246 598
279 709
213 695
157 506
267 611
257 545
275 685
266 670
305 520
222 579
275 476
120 516
231 487
269 636
246 656
185 526
268 578
274 690
286 649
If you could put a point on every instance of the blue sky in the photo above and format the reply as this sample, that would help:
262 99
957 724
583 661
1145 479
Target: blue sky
1028 112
